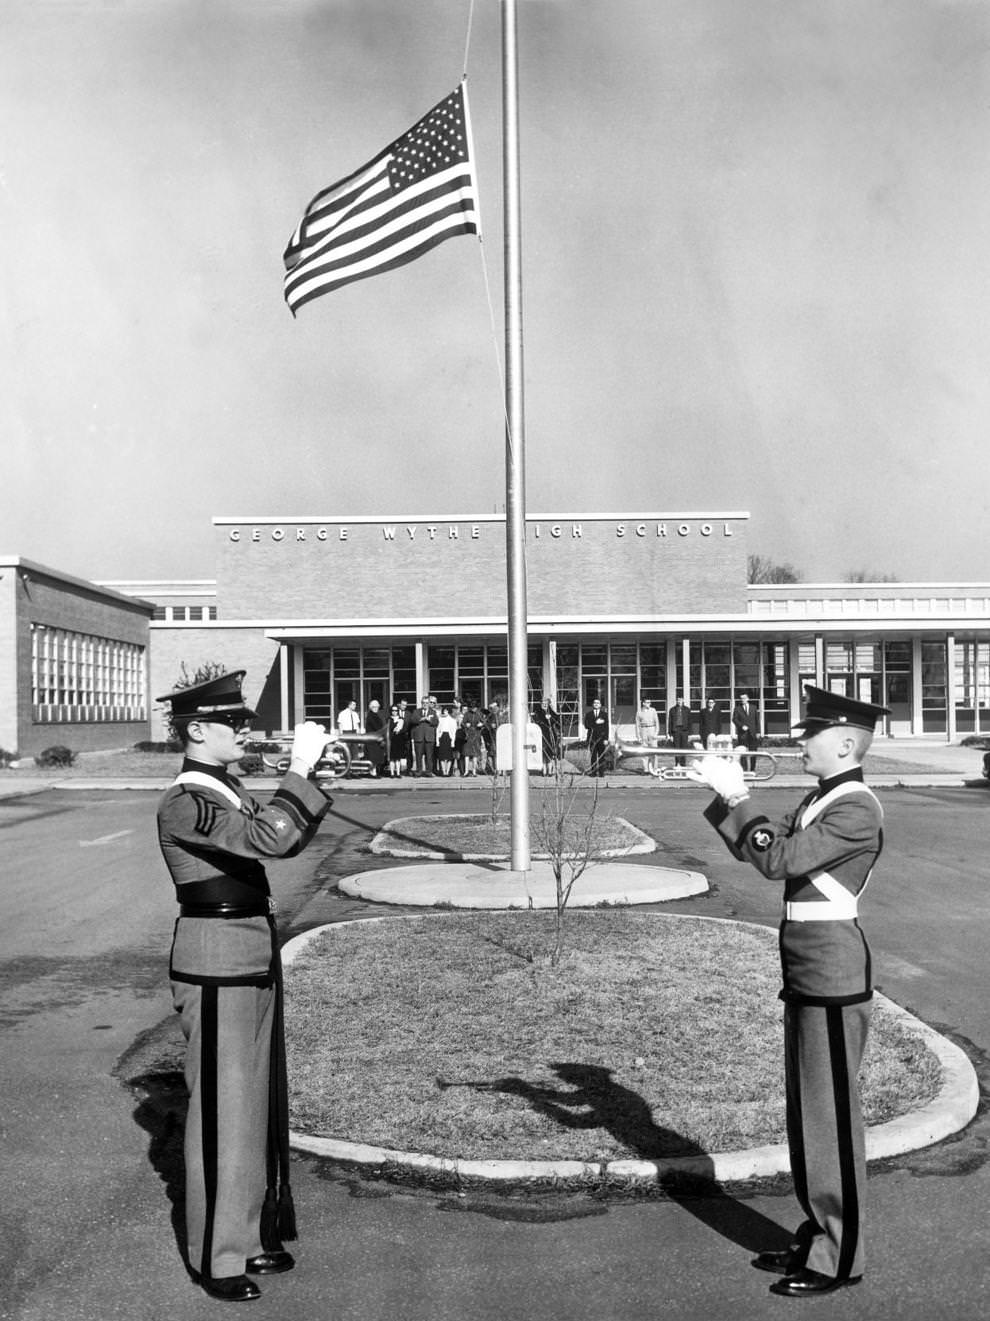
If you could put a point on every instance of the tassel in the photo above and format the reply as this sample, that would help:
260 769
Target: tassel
286 1213
270 1222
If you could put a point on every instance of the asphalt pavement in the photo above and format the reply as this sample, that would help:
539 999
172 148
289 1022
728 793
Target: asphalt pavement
371 1250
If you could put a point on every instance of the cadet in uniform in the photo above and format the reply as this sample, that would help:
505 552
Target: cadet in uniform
226 984
824 853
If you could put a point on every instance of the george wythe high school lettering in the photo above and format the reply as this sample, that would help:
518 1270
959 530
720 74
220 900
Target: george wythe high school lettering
403 534
367 566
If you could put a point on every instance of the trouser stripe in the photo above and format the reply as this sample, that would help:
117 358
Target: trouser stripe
209 1107
841 1092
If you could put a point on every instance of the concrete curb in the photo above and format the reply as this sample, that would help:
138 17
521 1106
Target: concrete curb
951 1110
474 886
385 844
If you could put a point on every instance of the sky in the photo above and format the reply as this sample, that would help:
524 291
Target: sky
755 274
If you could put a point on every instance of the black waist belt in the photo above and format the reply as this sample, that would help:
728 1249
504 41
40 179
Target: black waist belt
264 908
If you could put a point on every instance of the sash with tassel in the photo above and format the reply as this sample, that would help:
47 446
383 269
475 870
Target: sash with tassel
278 1214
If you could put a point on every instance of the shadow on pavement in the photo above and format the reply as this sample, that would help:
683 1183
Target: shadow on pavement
161 1112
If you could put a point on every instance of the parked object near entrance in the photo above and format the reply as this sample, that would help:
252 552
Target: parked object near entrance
346 754
335 762
765 764
533 745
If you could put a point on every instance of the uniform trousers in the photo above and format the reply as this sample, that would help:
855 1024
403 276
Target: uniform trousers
424 754
228 1031
823 1049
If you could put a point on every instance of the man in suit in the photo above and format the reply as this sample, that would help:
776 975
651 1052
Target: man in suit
226 981
424 736
679 727
710 722
596 732
744 726
824 853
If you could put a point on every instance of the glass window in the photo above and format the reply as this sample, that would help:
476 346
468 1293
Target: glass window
334 676
897 656
867 657
471 661
972 686
441 657
346 661
594 658
838 656
746 665
82 678
933 687
376 660
622 657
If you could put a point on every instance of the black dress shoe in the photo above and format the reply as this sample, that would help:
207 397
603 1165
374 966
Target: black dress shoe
780 1263
230 1288
808 1284
270 1263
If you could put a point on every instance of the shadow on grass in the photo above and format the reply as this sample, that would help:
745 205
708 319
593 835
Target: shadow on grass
590 1099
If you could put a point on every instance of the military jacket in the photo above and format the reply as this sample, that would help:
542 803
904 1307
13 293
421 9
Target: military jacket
214 837
824 853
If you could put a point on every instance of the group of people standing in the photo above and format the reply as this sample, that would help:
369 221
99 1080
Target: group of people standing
710 723
459 737
434 739
430 738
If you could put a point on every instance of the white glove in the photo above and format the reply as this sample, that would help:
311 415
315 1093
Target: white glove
722 774
308 742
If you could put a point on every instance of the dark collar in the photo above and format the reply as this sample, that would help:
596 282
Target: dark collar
218 772
825 786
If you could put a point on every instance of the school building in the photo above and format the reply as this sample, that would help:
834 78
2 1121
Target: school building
320 611
73 661
620 606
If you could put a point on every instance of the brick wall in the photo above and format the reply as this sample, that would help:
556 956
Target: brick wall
43 597
8 659
173 645
402 570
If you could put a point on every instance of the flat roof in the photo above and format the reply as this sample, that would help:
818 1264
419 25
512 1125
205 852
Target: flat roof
27 566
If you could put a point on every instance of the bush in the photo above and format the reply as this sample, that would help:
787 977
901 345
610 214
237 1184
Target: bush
6 758
56 755
148 745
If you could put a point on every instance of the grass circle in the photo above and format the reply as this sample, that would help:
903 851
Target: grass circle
656 1036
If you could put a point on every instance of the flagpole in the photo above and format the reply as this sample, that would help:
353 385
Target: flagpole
515 447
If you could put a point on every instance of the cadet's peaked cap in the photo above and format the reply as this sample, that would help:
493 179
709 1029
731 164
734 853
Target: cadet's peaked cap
824 709
221 695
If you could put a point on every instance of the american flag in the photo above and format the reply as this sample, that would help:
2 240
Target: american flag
417 192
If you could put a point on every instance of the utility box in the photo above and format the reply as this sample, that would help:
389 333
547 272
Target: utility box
534 747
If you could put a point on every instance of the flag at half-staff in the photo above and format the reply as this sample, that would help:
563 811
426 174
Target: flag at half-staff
417 192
